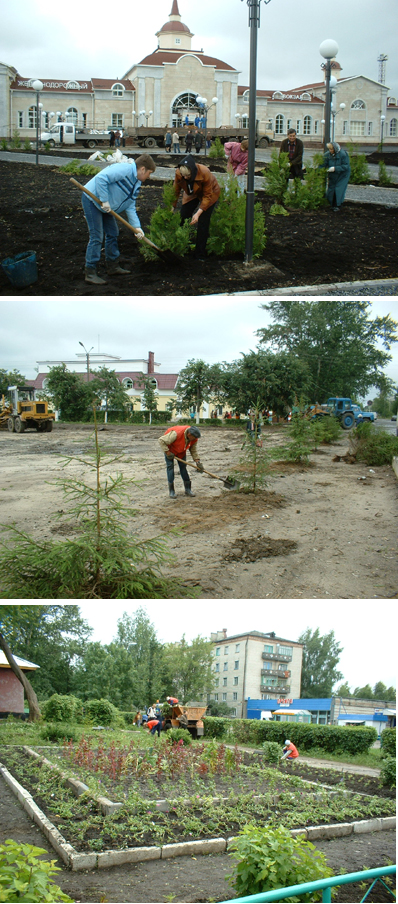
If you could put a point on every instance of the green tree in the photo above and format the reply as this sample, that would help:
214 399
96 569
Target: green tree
190 668
107 388
379 691
270 380
337 340
227 226
344 690
197 383
276 176
321 655
10 378
363 693
50 636
150 397
70 393
137 636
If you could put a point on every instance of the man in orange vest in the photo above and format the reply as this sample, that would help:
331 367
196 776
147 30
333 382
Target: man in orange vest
176 442
290 752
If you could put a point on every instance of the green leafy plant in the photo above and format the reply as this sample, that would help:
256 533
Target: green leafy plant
299 448
104 561
217 149
4 144
63 708
59 731
384 177
179 734
272 752
102 712
24 877
374 448
276 176
254 466
16 139
165 229
324 430
227 224
277 210
79 168
27 144
389 742
308 194
388 772
360 172
272 858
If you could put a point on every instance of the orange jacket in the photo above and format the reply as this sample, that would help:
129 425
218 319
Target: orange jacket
205 188
293 752
180 445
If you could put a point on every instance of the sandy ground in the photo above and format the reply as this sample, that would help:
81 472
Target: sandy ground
318 532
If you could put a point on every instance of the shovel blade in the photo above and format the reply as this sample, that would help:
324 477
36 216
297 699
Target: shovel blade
231 484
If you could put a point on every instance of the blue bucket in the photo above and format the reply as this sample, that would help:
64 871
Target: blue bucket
21 269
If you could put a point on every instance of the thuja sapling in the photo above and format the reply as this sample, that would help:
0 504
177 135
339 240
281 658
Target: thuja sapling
227 224
165 229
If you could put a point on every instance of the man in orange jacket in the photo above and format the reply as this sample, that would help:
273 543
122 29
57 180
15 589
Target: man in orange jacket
201 192
290 752
176 442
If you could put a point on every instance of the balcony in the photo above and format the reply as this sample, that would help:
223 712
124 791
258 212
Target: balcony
275 673
275 689
276 656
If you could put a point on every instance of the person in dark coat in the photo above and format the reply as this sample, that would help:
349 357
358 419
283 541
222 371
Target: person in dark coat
337 165
201 192
295 149
197 140
189 141
111 139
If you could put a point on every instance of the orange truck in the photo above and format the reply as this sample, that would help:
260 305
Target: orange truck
190 717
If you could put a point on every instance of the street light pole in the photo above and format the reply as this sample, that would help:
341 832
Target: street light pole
328 50
254 25
37 86
382 120
87 359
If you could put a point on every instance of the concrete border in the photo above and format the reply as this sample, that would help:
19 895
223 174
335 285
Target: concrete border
326 288
395 463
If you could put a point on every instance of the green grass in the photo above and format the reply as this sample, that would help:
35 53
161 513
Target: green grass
372 758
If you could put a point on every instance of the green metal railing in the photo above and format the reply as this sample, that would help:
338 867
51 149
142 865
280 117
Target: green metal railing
325 884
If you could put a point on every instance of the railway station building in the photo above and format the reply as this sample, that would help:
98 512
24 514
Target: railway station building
161 90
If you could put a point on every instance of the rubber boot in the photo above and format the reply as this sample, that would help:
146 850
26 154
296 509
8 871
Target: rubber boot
188 491
113 267
91 276
172 493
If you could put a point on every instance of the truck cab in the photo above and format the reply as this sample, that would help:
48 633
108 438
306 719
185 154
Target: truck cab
26 413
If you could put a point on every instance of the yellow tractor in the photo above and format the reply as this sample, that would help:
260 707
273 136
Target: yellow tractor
23 412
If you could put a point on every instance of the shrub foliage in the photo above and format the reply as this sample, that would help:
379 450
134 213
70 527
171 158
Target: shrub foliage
25 877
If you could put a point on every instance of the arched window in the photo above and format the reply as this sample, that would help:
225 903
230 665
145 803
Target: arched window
307 125
72 115
394 127
117 90
279 124
358 105
128 383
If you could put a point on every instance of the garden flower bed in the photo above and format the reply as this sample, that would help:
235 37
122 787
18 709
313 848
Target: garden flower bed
174 794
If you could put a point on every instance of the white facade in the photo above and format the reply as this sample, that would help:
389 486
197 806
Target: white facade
256 665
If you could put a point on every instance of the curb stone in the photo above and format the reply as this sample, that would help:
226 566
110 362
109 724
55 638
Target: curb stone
80 861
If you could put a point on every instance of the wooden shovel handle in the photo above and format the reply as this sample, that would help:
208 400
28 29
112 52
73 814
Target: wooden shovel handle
114 214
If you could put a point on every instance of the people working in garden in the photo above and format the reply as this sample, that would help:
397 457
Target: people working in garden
337 165
294 147
116 188
201 192
175 443
238 156
290 752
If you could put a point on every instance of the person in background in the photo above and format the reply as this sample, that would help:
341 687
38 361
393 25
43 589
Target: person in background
290 752
238 157
168 141
188 141
294 147
197 140
154 725
176 143
337 165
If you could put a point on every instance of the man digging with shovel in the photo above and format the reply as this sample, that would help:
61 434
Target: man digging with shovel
175 443
116 188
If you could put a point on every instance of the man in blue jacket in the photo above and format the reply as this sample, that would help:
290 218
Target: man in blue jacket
117 188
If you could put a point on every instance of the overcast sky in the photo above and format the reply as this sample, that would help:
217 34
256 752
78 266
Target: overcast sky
45 39
368 656
191 328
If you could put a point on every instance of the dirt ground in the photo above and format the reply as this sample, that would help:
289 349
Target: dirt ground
188 879
41 211
324 531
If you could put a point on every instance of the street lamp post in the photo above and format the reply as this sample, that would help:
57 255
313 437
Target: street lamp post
382 121
37 86
87 359
254 25
201 103
328 50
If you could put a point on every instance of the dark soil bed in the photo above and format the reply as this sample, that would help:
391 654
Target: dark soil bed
41 211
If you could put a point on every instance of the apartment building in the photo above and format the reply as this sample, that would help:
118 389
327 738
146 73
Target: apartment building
263 666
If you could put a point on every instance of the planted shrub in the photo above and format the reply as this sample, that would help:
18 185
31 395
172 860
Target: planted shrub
276 176
63 708
25 877
272 752
165 229
299 448
360 172
101 712
78 168
308 194
324 430
217 149
389 742
227 224
272 858
174 735
216 727
59 731
388 772
330 738
374 448
384 177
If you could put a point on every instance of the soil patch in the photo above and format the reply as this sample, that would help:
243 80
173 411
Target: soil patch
254 548
41 211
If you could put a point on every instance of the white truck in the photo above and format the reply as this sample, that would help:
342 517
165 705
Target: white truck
65 133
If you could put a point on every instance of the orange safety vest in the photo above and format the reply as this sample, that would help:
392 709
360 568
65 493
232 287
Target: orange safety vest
180 444
293 752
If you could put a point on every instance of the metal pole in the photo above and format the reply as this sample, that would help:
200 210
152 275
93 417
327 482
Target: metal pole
327 105
254 24
37 128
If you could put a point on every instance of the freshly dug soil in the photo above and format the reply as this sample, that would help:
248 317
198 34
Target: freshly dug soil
41 211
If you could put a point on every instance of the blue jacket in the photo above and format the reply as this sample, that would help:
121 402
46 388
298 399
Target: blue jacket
118 184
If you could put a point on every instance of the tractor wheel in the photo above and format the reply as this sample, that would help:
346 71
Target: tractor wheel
264 142
348 420
48 426
11 425
19 425
150 142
